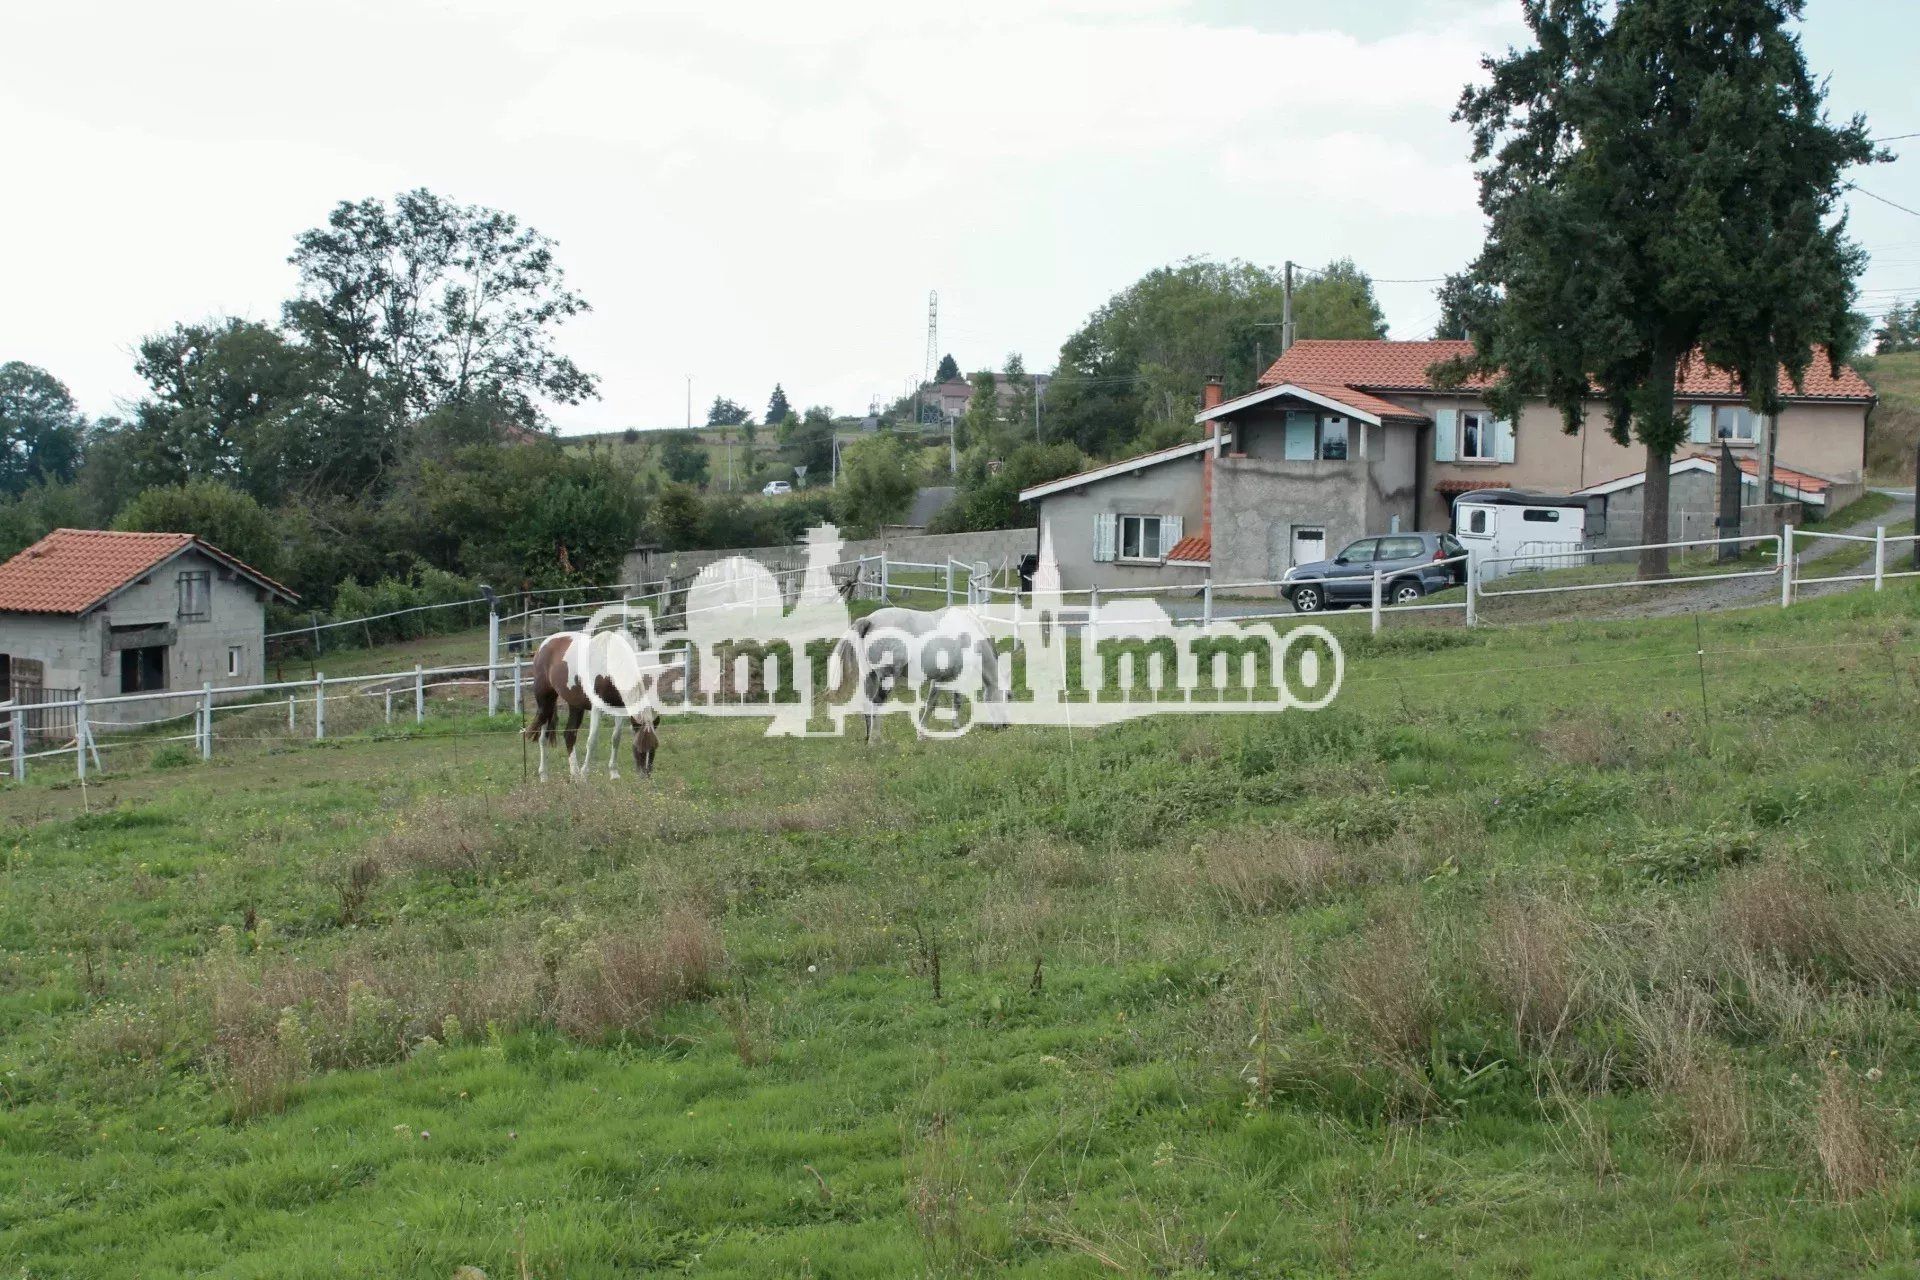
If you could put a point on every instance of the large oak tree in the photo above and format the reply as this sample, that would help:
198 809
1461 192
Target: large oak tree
1660 181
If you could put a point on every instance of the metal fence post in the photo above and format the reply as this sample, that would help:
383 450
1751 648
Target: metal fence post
206 721
949 582
1786 565
1473 592
18 725
1879 556
80 735
419 695
1206 602
1093 611
389 705
493 662
1376 603
516 684
319 706
885 579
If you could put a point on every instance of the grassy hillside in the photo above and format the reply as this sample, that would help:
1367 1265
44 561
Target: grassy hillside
1550 952
641 454
1894 429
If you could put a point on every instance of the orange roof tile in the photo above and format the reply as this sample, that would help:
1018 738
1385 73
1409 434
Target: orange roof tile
1192 549
71 570
1383 365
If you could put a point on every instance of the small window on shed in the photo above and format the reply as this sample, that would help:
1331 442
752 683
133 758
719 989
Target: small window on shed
236 658
1542 515
1477 522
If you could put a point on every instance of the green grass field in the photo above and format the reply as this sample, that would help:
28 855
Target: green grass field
1894 430
1565 951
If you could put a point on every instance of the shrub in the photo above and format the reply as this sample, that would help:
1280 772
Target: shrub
1258 871
1529 965
1849 1140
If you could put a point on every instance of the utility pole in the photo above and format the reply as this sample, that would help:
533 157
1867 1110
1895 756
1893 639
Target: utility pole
1286 311
689 402
1038 391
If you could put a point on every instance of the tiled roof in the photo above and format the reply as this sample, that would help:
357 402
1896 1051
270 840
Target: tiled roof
1381 365
1385 410
1192 549
1786 476
71 570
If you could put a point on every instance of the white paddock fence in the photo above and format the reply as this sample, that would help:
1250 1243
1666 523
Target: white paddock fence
92 730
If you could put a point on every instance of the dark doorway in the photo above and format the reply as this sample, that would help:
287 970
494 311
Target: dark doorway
143 670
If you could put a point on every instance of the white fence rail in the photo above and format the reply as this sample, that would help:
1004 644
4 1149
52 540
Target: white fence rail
72 726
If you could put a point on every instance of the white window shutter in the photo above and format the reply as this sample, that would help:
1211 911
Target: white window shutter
1700 424
1170 534
1446 433
1106 534
1503 440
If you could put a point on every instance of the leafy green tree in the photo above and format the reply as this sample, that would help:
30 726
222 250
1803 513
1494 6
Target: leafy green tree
423 302
989 496
1899 330
725 413
677 517
777 406
1465 307
948 371
228 401
41 431
878 478
1337 302
813 441
38 510
1016 414
1141 359
683 459
1660 182
226 517
980 424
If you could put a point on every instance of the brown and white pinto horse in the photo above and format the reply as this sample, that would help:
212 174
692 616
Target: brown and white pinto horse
557 670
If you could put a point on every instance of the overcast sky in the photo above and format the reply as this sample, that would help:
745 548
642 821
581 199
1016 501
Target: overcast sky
752 190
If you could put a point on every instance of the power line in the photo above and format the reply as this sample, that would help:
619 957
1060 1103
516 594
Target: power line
1854 186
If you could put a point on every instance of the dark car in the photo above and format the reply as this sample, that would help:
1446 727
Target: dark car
1407 562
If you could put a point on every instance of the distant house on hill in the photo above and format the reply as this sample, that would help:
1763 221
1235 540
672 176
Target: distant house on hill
93 613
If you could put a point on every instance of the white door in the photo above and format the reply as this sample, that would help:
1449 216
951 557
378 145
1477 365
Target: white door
1309 544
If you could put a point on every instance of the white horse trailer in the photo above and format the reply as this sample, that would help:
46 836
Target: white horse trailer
1496 523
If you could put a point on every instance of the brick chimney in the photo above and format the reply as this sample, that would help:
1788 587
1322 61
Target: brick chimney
1210 396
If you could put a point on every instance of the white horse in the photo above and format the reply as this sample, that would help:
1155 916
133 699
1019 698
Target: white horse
942 648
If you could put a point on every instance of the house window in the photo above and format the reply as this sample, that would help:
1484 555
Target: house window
143 670
1140 538
196 596
1311 436
236 656
1736 423
1476 437
1541 515
1333 439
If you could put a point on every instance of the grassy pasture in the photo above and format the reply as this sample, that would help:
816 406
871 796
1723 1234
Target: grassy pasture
1551 952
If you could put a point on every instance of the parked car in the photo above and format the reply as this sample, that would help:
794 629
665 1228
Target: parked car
1408 563
774 488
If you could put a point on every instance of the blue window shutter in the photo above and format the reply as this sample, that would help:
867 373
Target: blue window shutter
1299 438
1700 424
1446 432
1503 441
1172 529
